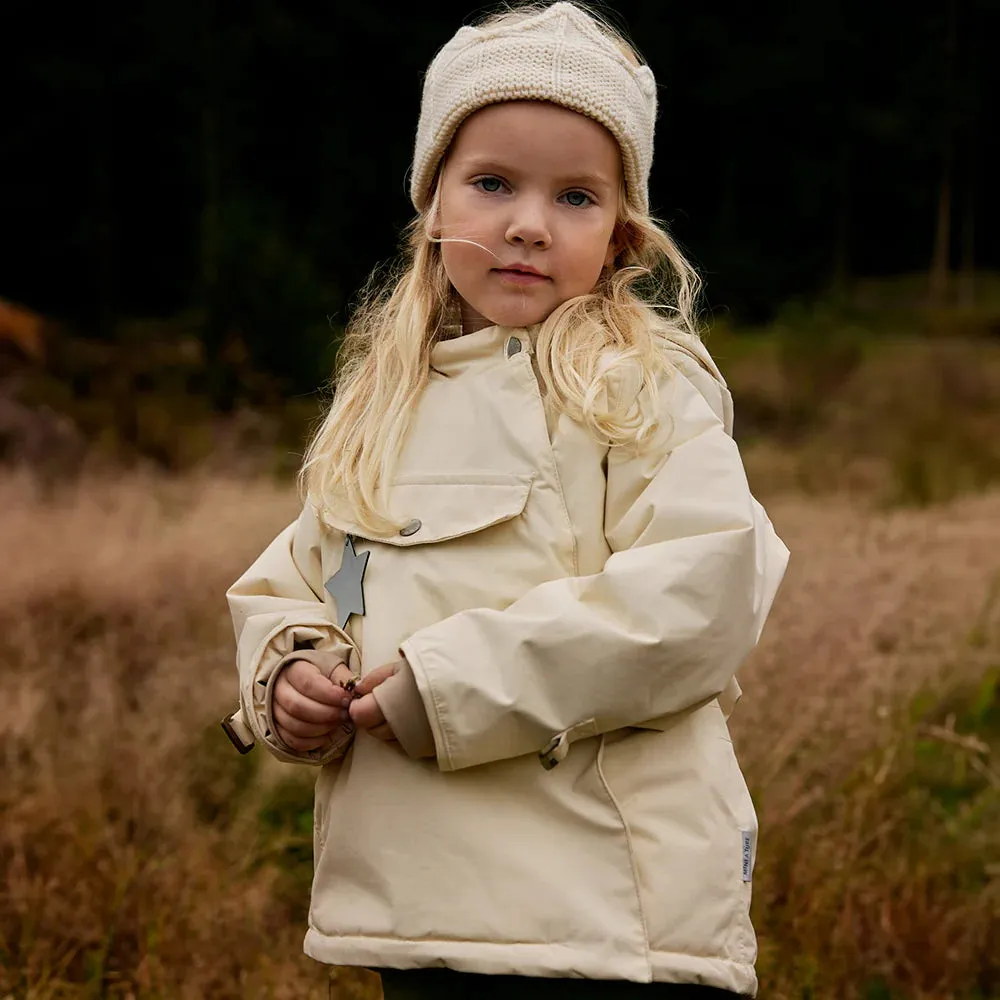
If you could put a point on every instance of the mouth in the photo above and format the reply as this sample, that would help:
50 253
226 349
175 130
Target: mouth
521 274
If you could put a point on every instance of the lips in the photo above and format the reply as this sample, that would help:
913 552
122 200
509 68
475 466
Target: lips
522 269
521 274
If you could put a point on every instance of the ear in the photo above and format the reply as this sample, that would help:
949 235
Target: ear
615 246
433 225
434 228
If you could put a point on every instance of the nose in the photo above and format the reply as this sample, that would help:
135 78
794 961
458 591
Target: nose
528 225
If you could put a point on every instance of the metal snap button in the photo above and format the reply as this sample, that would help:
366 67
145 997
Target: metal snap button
411 529
554 751
513 347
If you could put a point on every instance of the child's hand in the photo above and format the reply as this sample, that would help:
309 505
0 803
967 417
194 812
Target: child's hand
365 712
309 705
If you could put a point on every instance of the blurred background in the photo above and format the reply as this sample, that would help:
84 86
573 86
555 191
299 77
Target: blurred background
196 191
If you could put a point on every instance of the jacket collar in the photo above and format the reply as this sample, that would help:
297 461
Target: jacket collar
454 356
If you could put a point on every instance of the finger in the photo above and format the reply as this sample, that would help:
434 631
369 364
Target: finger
365 712
306 709
376 677
383 732
306 678
308 730
326 663
302 743
341 674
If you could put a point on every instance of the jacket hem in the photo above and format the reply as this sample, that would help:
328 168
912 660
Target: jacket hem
599 961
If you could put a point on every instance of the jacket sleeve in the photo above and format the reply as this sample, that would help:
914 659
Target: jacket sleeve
680 602
279 615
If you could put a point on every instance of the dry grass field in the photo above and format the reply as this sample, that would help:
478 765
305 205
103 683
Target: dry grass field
142 858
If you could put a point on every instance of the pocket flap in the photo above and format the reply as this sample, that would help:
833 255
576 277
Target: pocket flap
436 508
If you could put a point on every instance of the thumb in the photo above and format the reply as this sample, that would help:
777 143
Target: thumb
327 663
376 677
341 674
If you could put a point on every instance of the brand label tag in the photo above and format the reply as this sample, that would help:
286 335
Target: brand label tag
747 855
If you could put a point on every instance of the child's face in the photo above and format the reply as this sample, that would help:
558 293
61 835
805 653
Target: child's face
537 186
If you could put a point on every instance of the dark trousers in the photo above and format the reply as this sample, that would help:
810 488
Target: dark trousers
446 984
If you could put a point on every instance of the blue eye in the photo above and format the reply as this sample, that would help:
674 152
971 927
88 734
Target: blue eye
489 184
577 198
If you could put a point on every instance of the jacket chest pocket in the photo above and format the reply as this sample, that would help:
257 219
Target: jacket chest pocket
440 508
464 543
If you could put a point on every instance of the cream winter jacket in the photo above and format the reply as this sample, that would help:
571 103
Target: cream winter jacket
573 617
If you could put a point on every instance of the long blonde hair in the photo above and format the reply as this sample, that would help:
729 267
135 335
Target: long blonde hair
587 350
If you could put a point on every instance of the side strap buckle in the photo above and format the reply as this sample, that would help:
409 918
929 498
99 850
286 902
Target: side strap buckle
238 731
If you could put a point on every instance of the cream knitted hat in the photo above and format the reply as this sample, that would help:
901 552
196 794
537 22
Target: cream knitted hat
559 55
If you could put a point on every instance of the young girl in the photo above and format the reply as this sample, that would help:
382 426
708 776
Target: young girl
528 531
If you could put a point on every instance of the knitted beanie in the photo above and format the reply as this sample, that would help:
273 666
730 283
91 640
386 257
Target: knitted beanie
558 55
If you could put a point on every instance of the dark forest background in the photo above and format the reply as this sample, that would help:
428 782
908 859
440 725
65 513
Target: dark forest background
193 193
239 168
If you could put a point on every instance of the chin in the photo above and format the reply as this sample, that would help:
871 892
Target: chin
510 315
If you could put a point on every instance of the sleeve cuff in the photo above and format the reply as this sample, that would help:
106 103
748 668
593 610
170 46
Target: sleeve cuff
403 708
340 740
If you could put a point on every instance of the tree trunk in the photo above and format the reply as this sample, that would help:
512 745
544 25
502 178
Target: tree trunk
102 226
967 287
940 271
967 284
841 267
221 383
210 208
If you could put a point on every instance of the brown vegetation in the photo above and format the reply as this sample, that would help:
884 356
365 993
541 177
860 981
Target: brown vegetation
142 858
827 400
897 420
24 330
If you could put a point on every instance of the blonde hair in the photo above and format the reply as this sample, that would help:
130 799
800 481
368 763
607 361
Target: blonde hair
598 354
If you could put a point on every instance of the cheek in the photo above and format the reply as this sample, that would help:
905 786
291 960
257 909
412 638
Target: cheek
590 252
460 215
461 221
460 258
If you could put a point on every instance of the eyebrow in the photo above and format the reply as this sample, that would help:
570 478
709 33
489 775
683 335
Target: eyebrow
591 180
483 166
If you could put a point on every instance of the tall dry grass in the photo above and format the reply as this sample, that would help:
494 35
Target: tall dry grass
142 858
132 862
870 736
